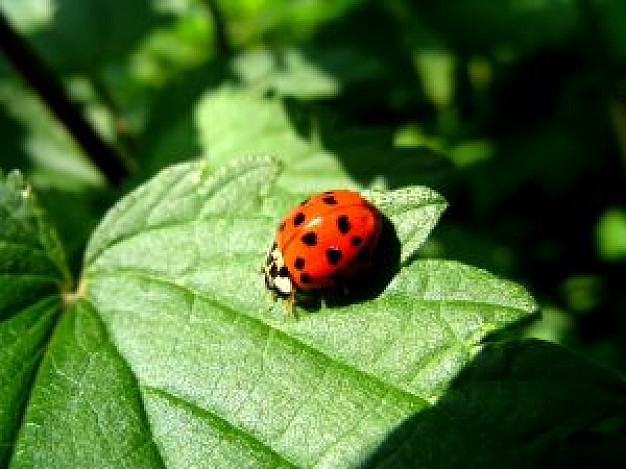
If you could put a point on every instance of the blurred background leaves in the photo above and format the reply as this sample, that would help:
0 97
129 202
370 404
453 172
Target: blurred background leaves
514 110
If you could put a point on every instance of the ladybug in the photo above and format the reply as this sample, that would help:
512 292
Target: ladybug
321 243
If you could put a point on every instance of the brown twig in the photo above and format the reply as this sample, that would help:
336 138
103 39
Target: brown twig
37 74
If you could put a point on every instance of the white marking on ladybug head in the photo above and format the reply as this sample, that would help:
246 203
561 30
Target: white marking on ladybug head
276 274
283 285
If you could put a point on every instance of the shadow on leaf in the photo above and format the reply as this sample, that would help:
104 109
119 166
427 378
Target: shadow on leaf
517 405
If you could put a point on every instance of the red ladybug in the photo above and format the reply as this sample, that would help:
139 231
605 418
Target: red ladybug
321 243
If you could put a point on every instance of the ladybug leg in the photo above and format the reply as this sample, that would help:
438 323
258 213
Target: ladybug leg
289 305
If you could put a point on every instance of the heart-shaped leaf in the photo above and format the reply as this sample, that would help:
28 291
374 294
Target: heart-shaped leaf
176 356
180 293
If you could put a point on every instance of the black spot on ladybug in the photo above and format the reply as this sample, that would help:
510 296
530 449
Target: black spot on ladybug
329 200
298 219
273 271
329 192
305 278
333 255
283 272
310 239
356 241
305 201
343 224
363 255
299 263
281 227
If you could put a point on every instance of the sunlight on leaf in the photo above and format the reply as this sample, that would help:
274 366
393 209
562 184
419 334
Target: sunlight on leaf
185 304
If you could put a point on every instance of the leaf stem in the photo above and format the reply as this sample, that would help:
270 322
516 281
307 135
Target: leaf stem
37 74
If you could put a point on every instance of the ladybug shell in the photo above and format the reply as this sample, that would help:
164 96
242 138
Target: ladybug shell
327 238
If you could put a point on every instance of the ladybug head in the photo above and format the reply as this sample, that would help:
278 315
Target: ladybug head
276 273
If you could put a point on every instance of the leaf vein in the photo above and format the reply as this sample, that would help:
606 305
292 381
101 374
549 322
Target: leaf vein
219 422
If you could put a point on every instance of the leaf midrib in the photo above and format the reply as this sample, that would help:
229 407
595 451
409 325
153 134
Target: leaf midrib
395 297
417 399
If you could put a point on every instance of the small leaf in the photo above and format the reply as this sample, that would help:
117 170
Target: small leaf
286 72
32 275
234 121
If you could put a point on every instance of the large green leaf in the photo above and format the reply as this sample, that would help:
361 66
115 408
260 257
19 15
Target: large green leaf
173 273
176 356
32 276
181 294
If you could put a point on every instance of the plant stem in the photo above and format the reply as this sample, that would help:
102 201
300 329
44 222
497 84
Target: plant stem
37 74
222 45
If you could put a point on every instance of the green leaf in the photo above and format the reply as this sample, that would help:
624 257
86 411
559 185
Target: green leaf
22 338
85 409
173 272
304 74
31 256
32 275
181 194
286 73
176 356
55 158
414 212
235 121
239 122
